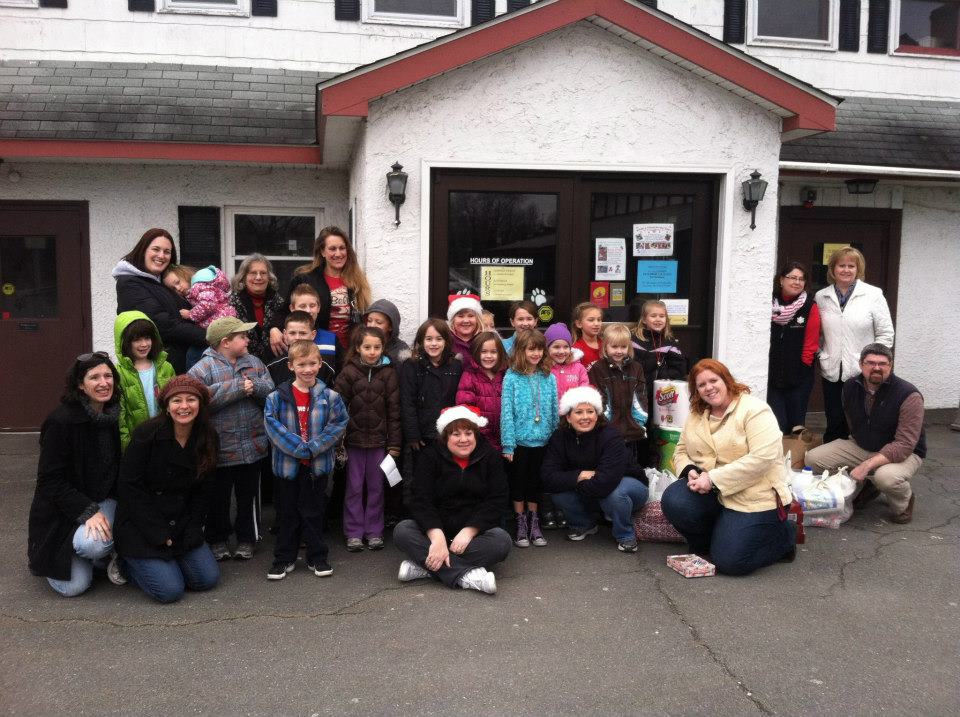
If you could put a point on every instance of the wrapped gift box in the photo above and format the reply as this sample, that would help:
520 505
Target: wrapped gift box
691 566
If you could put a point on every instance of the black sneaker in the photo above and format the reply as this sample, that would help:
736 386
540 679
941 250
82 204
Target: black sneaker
279 570
560 518
548 520
321 569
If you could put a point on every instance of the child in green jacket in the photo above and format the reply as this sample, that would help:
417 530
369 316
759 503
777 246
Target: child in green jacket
143 368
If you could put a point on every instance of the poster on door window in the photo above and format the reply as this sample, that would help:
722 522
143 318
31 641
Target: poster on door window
828 250
656 277
611 259
501 283
600 293
653 239
679 311
618 294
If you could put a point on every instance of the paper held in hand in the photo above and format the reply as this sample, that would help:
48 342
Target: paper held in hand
389 468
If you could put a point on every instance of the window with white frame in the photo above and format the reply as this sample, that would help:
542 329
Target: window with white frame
239 8
927 27
793 23
284 236
432 13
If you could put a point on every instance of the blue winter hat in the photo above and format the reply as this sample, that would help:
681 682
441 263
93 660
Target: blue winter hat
206 274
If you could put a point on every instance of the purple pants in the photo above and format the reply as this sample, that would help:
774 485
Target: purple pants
363 469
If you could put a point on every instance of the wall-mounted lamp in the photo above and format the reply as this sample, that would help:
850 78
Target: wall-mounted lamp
861 186
397 186
753 190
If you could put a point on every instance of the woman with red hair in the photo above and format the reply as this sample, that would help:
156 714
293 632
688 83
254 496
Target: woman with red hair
729 500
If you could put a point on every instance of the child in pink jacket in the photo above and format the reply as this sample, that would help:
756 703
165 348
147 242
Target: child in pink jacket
209 295
567 368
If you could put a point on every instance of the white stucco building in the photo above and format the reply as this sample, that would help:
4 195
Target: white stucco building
526 136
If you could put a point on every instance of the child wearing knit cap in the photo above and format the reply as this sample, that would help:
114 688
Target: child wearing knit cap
567 368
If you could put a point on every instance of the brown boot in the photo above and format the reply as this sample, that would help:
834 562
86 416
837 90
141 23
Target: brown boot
907 515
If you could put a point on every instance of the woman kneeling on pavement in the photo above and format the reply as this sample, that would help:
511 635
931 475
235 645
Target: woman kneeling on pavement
585 468
163 480
729 501
71 518
459 493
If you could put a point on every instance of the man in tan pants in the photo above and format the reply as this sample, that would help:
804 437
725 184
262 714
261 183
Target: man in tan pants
887 442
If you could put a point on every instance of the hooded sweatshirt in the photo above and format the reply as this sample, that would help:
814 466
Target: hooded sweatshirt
397 350
134 406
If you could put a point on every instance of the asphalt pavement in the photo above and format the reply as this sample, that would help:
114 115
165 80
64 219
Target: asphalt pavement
866 621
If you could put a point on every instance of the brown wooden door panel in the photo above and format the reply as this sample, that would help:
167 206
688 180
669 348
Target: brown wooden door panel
44 305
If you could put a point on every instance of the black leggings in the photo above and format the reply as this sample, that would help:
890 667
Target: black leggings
524 473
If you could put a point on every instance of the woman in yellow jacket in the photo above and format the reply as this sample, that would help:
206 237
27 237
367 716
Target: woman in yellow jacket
728 501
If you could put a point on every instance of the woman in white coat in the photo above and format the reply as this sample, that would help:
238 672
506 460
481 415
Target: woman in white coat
853 314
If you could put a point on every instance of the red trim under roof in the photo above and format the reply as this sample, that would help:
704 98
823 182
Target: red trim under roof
168 151
351 95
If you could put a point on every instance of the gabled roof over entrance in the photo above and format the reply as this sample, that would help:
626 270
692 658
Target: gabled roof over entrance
805 109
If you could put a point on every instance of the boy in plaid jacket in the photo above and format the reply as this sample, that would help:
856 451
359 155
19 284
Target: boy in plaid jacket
305 421
238 383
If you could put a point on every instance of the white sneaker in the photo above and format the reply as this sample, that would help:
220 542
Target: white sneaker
479 579
114 571
409 570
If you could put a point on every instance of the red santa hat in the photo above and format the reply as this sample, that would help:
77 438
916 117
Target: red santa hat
461 302
456 413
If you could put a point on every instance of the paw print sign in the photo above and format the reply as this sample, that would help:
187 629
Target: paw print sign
544 310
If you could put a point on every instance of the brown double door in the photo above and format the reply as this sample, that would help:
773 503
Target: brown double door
44 305
809 235
503 235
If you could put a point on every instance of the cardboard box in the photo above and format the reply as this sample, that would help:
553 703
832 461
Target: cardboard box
691 566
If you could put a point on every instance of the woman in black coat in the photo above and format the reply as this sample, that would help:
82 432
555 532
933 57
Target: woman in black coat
255 299
587 469
72 514
161 495
459 493
140 287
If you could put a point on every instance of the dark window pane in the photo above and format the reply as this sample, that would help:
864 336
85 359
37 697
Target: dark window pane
200 236
273 235
28 278
930 24
802 19
442 8
503 229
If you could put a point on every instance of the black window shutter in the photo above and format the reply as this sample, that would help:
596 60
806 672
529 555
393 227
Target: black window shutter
849 26
200 236
141 5
734 21
482 10
650 3
878 23
346 9
53 3
264 8
516 4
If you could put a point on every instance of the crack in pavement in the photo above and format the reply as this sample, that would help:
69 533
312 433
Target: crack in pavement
700 642
344 610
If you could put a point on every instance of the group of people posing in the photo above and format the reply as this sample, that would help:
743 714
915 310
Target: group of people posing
219 387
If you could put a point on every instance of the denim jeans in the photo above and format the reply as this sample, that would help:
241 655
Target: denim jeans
618 507
165 580
738 543
790 404
87 549
484 551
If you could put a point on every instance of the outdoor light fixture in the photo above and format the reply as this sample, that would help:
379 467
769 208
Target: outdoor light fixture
861 186
397 186
753 190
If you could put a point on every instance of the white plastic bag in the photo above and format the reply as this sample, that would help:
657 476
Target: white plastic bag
657 482
826 499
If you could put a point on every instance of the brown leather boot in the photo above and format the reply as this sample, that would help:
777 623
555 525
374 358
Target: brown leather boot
907 515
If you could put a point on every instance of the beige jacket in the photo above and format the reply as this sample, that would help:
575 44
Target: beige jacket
744 454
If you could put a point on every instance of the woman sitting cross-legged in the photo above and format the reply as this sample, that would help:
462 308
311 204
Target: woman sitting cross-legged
586 470
163 480
729 500
459 493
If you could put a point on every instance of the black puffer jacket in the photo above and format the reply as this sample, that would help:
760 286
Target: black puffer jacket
273 305
160 497
139 291
71 479
425 389
449 497
568 452
372 397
